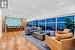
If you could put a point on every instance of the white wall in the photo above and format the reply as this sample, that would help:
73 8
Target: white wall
0 23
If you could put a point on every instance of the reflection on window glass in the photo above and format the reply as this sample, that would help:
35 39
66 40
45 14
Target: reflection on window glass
61 26
50 23
50 26
42 25
41 21
13 21
71 17
51 20
30 24
35 23
61 19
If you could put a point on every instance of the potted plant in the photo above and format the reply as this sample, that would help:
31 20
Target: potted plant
69 24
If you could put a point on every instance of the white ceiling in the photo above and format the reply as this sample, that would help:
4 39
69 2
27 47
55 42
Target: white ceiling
29 8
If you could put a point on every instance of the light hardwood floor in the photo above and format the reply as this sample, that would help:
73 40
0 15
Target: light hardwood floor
14 41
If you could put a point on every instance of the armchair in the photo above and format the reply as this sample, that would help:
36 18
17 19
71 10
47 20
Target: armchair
63 44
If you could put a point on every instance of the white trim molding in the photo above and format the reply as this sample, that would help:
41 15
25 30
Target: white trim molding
0 23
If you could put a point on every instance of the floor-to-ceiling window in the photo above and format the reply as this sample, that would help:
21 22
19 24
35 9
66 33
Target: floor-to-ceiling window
35 23
65 22
61 23
42 24
30 24
53 24
50 24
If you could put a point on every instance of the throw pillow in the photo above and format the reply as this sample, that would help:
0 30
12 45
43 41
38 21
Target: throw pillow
66 30
63 36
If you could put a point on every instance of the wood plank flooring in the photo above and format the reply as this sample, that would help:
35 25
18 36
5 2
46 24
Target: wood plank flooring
14 41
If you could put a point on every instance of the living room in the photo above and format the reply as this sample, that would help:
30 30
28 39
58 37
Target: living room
37 24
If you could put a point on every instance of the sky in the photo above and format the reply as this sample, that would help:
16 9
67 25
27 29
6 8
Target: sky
38 9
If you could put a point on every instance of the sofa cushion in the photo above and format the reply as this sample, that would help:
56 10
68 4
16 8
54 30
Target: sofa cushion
63 36
66 30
